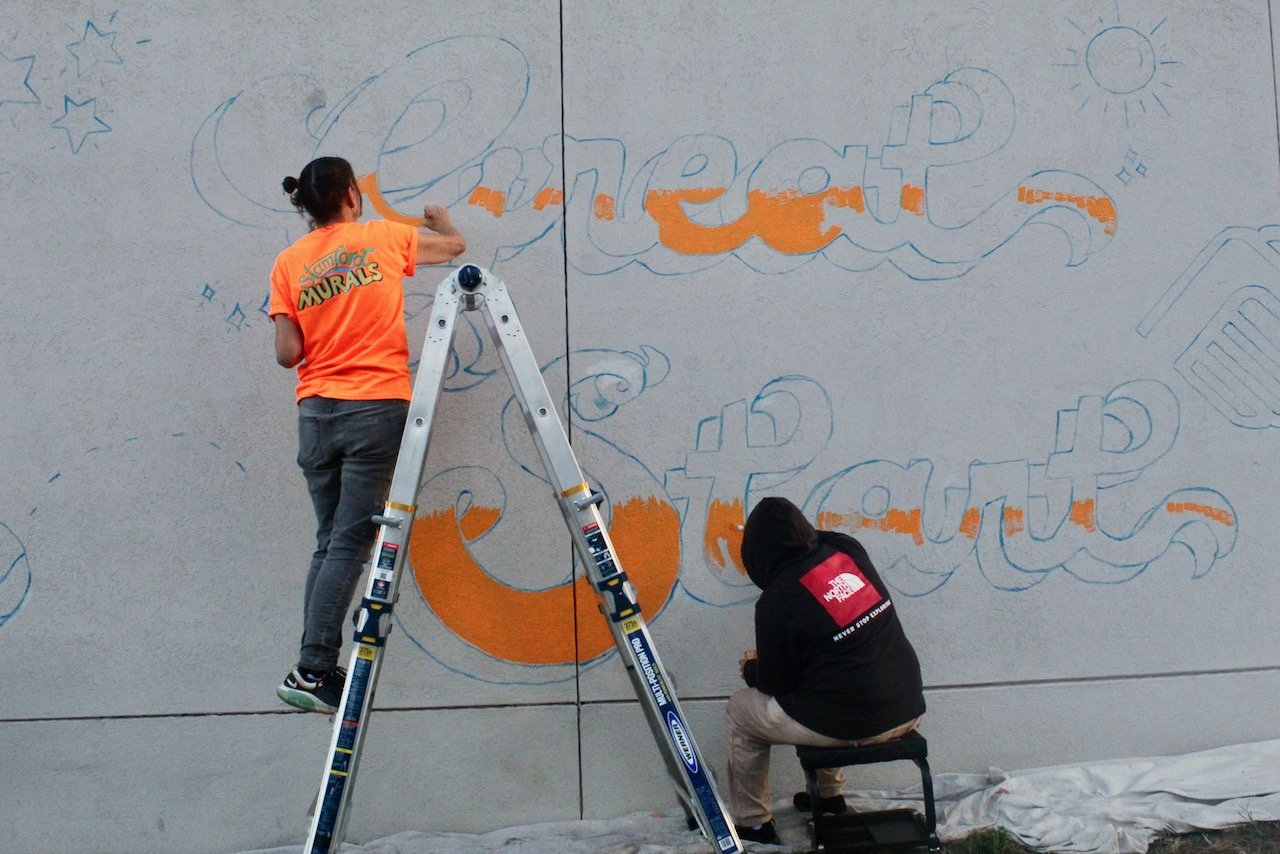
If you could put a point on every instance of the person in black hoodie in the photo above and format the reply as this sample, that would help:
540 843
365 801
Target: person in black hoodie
832 666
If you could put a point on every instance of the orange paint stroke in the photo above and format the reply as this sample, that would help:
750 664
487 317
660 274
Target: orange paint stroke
913 199
368 184
606 207
482 610
548 196
829 521
896 521
1014 521
852 197
494 201
1100 208
1082 514
1216 514
478 521
788 221
971 522
723 519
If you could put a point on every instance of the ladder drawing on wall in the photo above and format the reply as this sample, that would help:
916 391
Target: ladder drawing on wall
470 289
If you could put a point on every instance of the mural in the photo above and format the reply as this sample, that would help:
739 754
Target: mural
1059 236
692 205
687 207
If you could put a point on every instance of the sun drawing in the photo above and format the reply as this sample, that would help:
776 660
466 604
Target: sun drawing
1122 65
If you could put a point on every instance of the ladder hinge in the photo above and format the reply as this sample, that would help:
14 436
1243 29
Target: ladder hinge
372 622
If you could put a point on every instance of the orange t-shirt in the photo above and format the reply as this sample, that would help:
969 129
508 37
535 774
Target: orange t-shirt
341 284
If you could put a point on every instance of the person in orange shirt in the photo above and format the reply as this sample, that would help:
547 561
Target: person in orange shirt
338 307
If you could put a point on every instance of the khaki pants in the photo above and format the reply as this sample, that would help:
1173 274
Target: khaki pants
756 724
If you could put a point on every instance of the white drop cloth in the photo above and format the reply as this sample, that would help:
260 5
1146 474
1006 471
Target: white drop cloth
1113 807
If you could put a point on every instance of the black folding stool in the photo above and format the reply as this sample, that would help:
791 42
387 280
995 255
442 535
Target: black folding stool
882 830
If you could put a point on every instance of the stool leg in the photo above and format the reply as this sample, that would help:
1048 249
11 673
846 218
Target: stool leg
815 806
930 811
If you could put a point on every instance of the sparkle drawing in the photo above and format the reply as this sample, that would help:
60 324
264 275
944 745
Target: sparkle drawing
1121 66
1133 167
234 317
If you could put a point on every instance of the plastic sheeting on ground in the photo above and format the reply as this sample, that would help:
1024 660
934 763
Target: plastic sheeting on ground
1112 807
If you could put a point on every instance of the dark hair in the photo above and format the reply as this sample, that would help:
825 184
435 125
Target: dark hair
320 188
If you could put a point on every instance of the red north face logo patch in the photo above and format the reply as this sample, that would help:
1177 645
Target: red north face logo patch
841 588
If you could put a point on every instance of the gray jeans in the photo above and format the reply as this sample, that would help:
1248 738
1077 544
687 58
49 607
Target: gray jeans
347 451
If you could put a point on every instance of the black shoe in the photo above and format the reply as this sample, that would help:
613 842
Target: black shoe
766 833
834 804
313 693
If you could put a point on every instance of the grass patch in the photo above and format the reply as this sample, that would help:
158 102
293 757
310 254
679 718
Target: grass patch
1257 837
995 841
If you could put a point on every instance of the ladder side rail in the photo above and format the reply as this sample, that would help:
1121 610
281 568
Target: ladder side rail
579 504
620 607
541 414
390 553
657 729
432 363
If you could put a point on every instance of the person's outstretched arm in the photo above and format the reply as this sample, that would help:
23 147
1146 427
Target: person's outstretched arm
438 239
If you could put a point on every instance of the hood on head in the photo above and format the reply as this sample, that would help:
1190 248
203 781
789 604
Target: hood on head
776 532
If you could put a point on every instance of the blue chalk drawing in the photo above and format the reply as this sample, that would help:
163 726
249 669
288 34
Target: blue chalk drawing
79 120
429 123
15 80
94 48
234 317
15 574
749 450
87 67
1122 66
419 124
1228 312
1024 520
614 381
1132 167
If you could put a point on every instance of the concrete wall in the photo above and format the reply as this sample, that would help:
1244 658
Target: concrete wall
996 290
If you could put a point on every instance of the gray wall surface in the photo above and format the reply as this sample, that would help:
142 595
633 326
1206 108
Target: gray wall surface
993 286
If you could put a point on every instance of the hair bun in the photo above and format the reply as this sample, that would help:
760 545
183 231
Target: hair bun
290 185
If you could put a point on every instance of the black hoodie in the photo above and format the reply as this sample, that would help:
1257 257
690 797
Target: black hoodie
831 649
